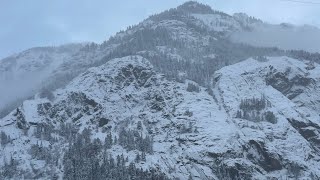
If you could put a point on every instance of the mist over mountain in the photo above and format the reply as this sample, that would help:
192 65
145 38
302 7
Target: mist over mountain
284 36
189 93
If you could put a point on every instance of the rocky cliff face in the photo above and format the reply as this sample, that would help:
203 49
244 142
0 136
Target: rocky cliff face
194 134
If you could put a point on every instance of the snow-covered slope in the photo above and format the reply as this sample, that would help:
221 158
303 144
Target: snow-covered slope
290 88
294 80
194 134
35 59
24 74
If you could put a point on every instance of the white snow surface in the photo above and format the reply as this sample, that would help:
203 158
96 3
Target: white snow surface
125 90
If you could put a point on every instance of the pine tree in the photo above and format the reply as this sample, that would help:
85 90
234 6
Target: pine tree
108 141
4 138
139 125
190 127
143 156
138 158
115 140
239 114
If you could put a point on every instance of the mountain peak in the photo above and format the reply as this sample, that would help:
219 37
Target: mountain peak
195 7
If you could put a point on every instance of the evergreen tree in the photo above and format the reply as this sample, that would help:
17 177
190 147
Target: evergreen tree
108 141
138 158
4 138
143 156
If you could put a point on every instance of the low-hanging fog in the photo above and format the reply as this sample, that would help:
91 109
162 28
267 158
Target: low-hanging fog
15 89
284 36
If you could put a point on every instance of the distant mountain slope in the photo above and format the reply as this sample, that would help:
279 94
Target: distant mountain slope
41 69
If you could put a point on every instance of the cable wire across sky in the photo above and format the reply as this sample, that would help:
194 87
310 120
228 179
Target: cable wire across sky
302 2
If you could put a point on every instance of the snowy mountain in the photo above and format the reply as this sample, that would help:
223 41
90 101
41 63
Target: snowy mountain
194 133
170 98
192 34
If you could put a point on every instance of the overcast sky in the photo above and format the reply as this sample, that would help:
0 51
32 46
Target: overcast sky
26 24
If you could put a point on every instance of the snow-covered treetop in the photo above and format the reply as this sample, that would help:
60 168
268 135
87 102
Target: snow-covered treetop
195 7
